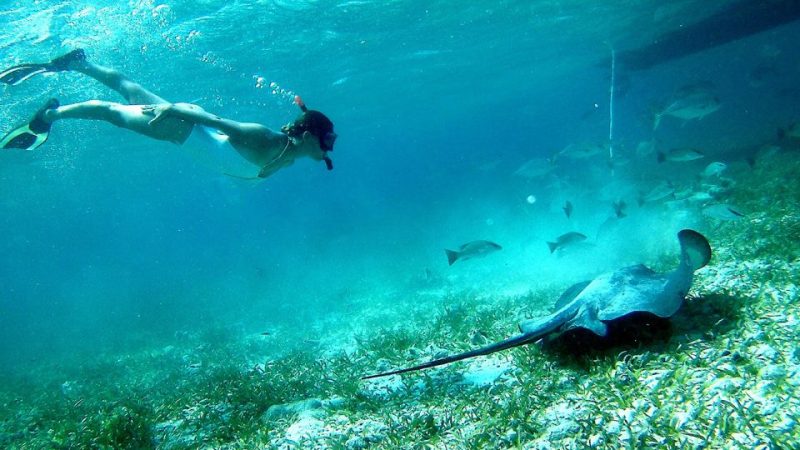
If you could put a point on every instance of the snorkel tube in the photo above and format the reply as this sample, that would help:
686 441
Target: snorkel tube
299 102
328 162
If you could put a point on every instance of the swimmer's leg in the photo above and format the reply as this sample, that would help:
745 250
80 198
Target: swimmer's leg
129 117
132 91
88 110
76 61
31 135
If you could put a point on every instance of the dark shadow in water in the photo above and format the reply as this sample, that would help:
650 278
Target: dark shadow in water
708 318
734 21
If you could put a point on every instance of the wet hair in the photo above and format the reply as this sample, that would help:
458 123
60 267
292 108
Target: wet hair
315 123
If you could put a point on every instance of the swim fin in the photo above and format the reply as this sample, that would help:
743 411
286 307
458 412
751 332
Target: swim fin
32 134
17 74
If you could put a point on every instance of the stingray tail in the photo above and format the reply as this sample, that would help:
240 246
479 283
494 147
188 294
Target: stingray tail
695 249
532 330
515 341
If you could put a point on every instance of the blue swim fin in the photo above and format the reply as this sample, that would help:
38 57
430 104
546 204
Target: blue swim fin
31 135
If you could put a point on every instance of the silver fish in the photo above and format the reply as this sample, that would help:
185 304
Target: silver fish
722 211
474 249
714 169
689 103
659 192
535 168
565 240
700 197
645 148
582 151
680 155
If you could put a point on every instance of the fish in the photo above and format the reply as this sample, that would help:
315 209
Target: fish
619 209
474 249
619 160
659 192
566 240
535 168
567 208
582 151
598 304
713 169
722 211
700 197
680 155
690 102
645 148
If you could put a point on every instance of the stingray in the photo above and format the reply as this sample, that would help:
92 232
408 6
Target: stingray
593 305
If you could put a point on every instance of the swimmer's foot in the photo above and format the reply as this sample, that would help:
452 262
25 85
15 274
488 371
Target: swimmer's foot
17 74
31 135
65 62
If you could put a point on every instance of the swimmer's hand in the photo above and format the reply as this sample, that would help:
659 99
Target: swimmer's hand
160 112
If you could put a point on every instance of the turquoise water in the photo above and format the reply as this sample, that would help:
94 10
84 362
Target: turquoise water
117 245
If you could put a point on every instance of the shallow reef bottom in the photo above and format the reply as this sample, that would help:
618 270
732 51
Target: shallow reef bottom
723 375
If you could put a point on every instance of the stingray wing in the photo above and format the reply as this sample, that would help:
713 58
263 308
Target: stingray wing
587 318
636 289
570 294
576 308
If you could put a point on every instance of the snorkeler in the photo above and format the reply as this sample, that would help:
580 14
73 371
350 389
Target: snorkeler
310 135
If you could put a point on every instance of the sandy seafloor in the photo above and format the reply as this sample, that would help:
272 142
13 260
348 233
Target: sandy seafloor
726 378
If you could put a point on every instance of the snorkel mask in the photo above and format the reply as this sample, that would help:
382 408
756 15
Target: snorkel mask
315 123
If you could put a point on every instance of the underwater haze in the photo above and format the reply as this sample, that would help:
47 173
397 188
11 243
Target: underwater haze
148 299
